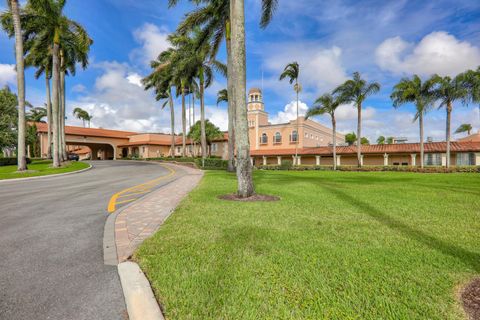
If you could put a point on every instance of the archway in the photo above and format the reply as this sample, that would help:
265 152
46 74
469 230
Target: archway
98 151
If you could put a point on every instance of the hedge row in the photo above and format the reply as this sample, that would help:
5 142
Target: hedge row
212 163
11 161
428 169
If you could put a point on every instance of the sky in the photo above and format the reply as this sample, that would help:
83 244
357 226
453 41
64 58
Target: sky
383 40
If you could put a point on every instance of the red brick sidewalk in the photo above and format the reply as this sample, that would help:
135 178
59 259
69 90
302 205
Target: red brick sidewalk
140 220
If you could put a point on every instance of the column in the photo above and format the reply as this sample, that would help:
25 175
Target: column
299 160
279 160
444 159
251 161
317 160
339 162
477 159
385 159
414 159
294 160
361 160
264 160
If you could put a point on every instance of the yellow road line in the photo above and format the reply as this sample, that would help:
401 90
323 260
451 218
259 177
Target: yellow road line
134 193
113 200
125 201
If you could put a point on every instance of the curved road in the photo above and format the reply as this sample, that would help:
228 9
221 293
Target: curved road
51 232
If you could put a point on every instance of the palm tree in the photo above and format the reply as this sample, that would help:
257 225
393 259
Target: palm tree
356 90
466 127
471 80
292 72
161 80
234 22
37 114
49 30
327 104
81 114
449 90
419 93
17 32
222 96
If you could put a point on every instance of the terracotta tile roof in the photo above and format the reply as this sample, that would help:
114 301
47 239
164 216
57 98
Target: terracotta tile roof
144 143
432 147
94 132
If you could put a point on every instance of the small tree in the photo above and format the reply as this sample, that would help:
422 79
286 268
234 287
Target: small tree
350 138
381 140
212 132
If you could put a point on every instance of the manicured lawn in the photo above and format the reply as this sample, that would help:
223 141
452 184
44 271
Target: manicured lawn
40 168
339 245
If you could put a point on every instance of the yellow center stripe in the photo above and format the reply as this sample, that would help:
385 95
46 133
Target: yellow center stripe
138 189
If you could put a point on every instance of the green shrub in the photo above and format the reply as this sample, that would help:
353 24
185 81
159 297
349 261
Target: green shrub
428 169
11 161
212 163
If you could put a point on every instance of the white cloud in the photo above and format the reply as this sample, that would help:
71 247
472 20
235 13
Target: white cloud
8 75
349 112
438 52
290 112
135 78
153 40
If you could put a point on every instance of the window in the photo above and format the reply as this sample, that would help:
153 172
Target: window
214 147
264 138
433 159
143 149
294 136
277 138
179 150
306 135
465 159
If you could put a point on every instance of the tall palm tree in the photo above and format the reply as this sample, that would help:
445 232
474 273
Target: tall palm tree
356 90
48 29
419 93
292 72
327 104
161 80
37 114
233 26
20 68
471 80
447 91
466 127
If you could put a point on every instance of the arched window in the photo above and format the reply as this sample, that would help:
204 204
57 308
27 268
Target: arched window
264 138
294 136
277 138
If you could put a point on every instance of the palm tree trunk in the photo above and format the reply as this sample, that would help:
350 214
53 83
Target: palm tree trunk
420 121
193 115
334 128
62 114
172 122
184 121
55 106
449 116
359 135
231 104
21 148
203 136
244 167
298 133
49 115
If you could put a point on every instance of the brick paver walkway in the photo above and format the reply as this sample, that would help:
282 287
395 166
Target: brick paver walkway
140 220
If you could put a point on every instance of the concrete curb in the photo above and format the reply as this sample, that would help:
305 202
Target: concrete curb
141 303
47 176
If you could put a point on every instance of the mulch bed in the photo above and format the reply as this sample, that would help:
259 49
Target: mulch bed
470 296
255 197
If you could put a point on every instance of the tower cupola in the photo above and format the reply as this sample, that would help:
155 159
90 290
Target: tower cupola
255 100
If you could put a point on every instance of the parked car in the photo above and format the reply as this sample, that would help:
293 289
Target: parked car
73 157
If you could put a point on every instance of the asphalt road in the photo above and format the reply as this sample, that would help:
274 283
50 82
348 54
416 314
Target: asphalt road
51 232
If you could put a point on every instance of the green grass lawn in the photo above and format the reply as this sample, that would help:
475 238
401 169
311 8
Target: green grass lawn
40 168
339 245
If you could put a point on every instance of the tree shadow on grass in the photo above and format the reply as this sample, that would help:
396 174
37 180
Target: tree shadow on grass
467 257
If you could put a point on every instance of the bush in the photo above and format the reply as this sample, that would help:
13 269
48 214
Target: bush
429 169
211 163
11 161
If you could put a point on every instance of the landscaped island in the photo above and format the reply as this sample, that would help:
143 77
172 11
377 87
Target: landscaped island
40 168
338 245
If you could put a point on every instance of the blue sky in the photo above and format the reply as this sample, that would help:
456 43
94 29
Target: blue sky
384 40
